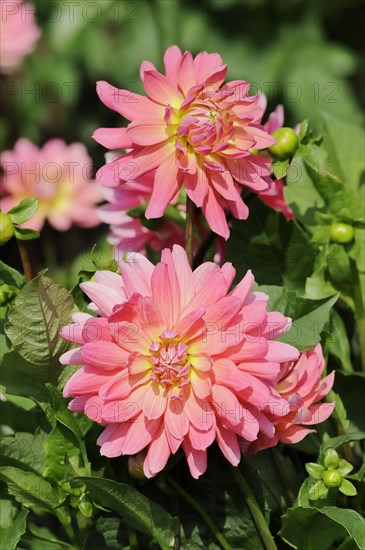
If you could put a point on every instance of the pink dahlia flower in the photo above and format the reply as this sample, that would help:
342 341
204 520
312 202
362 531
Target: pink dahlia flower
193 131
274 195
175 360
127 233
19 33
301 384
58 175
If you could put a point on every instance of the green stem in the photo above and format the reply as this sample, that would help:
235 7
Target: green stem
68 528
189 229
359 308
289 495
26 258
132 538
203 514
252 505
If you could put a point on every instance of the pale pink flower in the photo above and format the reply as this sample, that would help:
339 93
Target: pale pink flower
18 31
193 131
274 195
301 384
175 360
128 233
58 175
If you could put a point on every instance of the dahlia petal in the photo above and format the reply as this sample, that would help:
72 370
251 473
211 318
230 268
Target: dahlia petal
104 355
124 409
201 384
201 362
280 352
84 382
200 440
157 455
172 60
160 89
227 441
147 134
214 214
206 64
126 103
111 439
136 272
184 274
293 434
117 387
175 420
78 404
96 329
155 402
319 413
242 290
103 297
71 357
196 185
162 293
139 435
197 460
227 374
165 188
113 138
226 404
187 77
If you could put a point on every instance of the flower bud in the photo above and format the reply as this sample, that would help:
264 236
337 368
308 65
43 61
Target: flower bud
286 143
341 233
331 459
135 465
7 229
332 478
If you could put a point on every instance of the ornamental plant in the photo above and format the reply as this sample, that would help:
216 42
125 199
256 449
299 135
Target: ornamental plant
184 342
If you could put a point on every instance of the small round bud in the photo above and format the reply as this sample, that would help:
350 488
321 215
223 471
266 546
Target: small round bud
341 233
286 143
135 465
332 478
7 229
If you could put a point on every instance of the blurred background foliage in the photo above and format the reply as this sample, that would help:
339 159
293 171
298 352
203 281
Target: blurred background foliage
305 54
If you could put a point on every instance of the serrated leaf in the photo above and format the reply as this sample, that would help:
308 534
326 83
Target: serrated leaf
22 378
24 450
137 510
39 312
23 211
12 523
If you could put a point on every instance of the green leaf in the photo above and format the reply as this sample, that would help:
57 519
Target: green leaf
137 510
344 467
347 488
335 442
279 251
26 234
314 470
339 345
39 312
306 329
24 451
345 143
107 533
12 523
31 489
22 378
10 276
314 528
23 211
318 491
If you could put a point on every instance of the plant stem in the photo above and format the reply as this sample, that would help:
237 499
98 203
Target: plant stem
359 308
189 229
252 505
289 495
203 514
26 258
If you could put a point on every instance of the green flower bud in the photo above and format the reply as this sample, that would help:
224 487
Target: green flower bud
286 143
86 506
135 465
332 478
7 228
341 233
331 459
